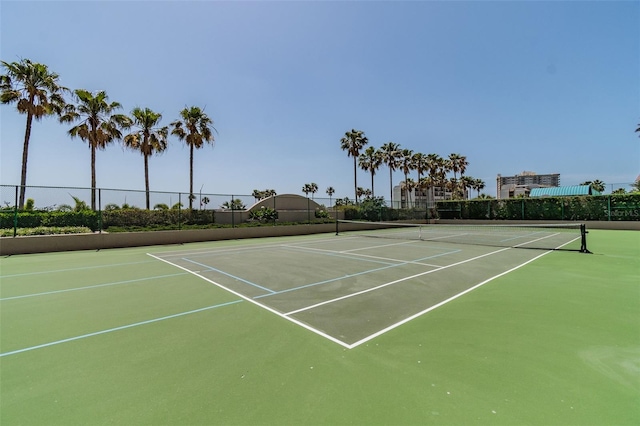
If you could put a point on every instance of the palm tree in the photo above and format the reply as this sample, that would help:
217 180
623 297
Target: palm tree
330 191
261 195
99 125
37 93
419 161
306 189
457 163
597 185
370 161
406 165
148 139
444 167
478 185
314 188
389 153
195 128
432 164
353 142
234 204
408 185
452 186
467 182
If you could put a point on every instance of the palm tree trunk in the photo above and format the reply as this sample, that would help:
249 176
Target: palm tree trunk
391 185
93 144
355 179
191 179
146 178
372 193
25 153
406 191
93 177
418 187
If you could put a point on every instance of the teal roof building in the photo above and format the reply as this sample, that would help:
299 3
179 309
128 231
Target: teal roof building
563 191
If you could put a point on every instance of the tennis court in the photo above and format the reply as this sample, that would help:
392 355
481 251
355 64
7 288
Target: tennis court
410 327
350 288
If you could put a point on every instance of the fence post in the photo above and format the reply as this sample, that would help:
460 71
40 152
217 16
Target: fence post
15 215
179 211
609 207
233 214
100 210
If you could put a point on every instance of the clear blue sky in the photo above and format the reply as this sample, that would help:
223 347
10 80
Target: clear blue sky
543 86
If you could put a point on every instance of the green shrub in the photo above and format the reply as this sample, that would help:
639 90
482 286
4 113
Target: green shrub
29 204
372 209
111 206
263 214
45 230
351 212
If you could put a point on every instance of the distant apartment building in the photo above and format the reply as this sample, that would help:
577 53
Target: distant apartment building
523 183
418 197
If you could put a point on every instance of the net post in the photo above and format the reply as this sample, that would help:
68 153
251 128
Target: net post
583 238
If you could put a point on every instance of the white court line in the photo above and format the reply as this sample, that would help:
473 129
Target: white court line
382 245
381 259
70 269
91 286
353 345
248 299
110 330
393 282
256 247
462 293
211 268
369 271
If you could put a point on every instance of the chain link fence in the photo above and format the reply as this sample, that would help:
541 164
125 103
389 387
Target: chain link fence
119 210
105 209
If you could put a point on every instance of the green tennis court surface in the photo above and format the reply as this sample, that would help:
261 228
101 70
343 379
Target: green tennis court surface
325 329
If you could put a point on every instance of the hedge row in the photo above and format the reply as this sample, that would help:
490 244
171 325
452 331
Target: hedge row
117 218
85 218
603 207
143 218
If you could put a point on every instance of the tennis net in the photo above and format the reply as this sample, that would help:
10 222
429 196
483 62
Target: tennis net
564 236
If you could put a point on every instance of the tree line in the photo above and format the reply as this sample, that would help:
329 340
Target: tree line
432 169
96 120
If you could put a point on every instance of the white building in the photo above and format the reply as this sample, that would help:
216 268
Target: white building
522 184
